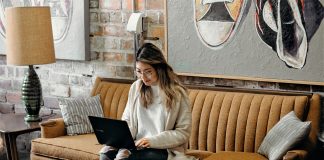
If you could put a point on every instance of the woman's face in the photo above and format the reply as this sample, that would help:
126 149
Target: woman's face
146 73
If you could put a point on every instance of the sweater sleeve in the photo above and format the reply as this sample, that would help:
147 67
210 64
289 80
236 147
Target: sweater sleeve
180 134
127 114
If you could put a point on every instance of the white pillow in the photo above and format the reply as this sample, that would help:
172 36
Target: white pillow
75 113
283 136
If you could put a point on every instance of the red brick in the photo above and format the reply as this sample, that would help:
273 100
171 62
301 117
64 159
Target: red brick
94 17
5 84
157 31
59 78
110 43
11 71
14 97
154 4
94 55
105 70
2 70
3 59
101 30
20 71
110 4
115 30
161 18
74 80
97 43
125 17
95 30
104 17
152 17
77 91
140 5
17 84
115 17
81 68
3 95
60 90
125 71
130 58
127 44
113 57
93 4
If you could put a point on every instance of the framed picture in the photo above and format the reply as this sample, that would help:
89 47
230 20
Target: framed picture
70 24
274 41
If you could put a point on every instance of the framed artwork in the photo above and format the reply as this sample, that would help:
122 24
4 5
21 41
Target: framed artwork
70 25
263 40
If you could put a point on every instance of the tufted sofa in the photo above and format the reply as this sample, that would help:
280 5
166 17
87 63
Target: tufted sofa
227 123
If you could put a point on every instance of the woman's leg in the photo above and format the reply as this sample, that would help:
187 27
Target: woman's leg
149 154
122 154
108 153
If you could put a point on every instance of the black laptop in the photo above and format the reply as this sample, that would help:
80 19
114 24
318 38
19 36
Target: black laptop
112 132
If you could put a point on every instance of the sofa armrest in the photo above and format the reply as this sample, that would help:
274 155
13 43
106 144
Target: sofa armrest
53 128
295 155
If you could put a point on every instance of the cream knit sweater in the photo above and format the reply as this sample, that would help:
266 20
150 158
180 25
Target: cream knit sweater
176 132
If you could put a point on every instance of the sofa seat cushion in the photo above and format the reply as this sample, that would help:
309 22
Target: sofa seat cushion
222 155
81 147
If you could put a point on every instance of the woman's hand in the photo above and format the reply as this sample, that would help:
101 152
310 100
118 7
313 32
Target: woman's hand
143 143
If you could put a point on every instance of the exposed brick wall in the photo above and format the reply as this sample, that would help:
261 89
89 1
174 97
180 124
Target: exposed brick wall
112 55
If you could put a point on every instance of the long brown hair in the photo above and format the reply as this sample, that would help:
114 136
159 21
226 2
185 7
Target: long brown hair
168 80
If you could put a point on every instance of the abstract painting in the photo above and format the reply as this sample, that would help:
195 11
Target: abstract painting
266 40
69 25
217 20
287 26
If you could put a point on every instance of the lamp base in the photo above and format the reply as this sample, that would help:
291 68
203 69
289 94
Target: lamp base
32 118
31 95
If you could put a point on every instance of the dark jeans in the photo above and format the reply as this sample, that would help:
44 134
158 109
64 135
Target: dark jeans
143 154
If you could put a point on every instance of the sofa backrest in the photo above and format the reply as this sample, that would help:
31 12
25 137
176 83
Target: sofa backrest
225 120
234 121
113 95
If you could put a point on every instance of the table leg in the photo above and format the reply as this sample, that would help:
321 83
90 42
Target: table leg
6 141
13 147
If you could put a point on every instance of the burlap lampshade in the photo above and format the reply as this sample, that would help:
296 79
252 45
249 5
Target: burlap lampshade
29 37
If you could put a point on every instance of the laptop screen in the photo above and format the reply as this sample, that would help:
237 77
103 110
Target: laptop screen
112 132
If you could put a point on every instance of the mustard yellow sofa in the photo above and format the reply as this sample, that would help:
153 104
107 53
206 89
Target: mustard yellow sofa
227 123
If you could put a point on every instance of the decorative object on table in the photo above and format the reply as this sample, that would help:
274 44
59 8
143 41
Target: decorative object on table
30 42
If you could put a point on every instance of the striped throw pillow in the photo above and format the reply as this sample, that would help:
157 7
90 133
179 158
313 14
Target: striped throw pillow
75 113
283 136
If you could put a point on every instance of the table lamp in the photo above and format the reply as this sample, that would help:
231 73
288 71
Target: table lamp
29 41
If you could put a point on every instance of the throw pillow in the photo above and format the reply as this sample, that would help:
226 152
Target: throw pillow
283 136
75 113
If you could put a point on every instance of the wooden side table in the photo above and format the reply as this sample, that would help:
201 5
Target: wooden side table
13 125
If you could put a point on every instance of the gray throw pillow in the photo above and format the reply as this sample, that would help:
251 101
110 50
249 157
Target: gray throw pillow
75 113
283 136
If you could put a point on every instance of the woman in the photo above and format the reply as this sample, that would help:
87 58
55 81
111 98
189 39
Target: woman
157 112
